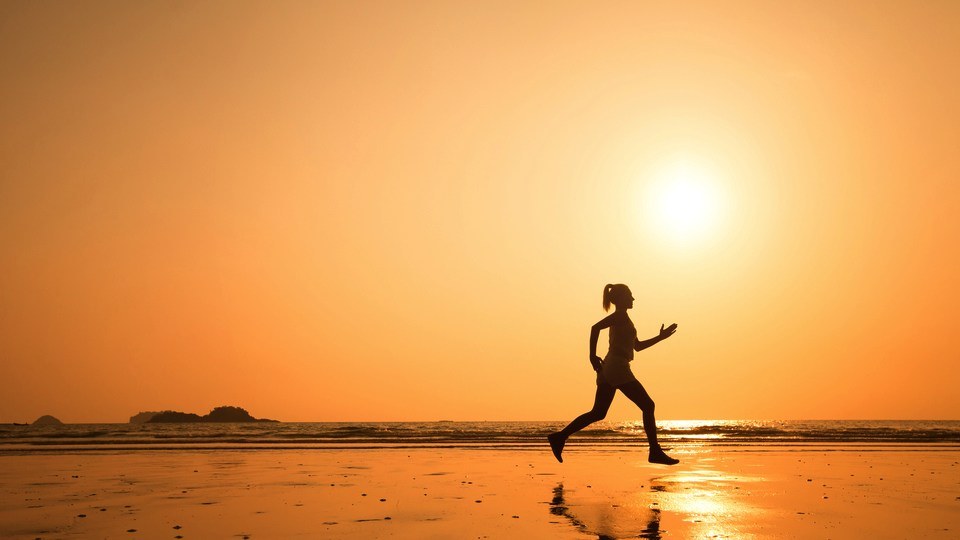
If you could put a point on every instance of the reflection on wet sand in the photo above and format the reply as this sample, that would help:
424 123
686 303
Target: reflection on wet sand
606 527
699 503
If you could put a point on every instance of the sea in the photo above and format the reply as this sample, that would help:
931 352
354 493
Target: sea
747 434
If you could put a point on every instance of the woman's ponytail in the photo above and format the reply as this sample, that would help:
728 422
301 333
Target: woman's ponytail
607 294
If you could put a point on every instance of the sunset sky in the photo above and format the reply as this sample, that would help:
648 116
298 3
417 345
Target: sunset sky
326 211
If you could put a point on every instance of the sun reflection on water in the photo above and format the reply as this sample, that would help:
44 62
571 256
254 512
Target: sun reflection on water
701 502
704 498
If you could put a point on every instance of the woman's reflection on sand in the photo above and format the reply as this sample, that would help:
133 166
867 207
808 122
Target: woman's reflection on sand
606 526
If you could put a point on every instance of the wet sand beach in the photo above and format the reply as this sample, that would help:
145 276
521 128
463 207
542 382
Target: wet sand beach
811 491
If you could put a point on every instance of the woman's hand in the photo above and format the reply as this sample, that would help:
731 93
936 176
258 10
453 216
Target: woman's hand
595 362
667 332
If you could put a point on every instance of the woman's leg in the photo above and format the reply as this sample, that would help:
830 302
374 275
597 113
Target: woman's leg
638 394
601 404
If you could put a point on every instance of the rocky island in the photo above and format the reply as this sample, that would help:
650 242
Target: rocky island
224 414
47 421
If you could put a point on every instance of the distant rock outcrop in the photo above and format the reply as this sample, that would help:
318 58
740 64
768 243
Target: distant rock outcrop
174 417
223 414
143 417
46 421
228 414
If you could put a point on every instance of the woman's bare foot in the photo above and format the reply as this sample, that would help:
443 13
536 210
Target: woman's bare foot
657 455
556 444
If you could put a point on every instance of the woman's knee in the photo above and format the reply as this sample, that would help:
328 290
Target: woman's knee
597 415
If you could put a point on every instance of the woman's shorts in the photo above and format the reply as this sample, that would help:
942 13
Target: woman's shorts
615 371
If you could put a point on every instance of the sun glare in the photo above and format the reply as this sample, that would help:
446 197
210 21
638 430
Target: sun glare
683 203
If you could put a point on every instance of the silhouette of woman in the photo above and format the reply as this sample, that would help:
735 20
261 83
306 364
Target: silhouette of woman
613 373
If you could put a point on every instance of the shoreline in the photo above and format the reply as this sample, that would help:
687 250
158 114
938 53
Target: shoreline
93 447
54 449
716 491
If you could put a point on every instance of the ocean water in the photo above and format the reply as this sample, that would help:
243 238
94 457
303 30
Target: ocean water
483 435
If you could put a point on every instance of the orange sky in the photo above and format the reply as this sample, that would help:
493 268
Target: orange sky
408 210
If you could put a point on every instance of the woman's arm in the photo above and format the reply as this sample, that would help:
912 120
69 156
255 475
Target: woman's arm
606 322
664 334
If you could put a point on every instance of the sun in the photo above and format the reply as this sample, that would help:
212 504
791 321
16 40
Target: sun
683 202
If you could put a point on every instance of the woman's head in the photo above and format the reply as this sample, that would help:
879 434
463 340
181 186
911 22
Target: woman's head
619 295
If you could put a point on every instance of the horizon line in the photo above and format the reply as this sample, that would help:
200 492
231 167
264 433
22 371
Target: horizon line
638 420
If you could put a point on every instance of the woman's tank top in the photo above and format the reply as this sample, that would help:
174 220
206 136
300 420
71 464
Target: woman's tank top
623 336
